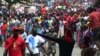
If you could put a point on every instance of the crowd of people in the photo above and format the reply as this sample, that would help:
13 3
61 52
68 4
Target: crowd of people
26 30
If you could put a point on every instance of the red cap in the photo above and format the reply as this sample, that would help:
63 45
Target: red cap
15 28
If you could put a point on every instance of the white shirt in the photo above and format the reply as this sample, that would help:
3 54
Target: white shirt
78 26
86 17
37 41
32 9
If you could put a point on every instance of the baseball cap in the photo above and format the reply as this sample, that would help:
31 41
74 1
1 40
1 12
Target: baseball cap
15 28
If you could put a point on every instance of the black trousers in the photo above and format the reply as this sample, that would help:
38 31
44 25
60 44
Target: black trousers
34 54
70 48
96 34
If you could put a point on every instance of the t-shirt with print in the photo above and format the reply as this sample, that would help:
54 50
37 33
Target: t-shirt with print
33 42
16 46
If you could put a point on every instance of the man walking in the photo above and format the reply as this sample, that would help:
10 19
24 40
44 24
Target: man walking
15 44
66 44
33 43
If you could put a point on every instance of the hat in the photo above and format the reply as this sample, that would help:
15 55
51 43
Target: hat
15 28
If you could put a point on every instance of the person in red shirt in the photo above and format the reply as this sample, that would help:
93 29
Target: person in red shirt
94 23
15 44
4 31
94 17
43 10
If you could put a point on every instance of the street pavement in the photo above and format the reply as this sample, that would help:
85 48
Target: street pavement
76 51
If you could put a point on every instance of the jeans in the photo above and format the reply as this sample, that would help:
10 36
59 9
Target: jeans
3 38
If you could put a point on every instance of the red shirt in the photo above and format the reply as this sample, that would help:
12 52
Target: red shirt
94 17
4 29
16 46
72 18
43 11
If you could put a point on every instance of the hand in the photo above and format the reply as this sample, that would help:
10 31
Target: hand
44 54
